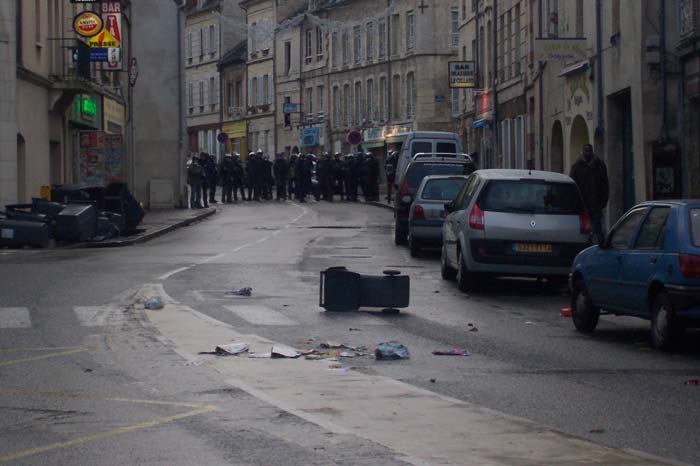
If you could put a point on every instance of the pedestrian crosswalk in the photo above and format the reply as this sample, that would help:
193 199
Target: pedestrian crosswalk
15 317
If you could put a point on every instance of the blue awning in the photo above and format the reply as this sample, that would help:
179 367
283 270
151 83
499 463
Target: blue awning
480 123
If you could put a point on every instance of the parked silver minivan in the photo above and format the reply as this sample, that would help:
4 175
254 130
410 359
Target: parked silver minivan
514 223
429 142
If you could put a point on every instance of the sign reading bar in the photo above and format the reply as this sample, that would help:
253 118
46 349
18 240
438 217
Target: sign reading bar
462 74
561 50
112 16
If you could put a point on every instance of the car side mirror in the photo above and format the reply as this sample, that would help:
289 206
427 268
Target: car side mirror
449 207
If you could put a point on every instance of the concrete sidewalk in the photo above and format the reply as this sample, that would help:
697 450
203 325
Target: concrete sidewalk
156 223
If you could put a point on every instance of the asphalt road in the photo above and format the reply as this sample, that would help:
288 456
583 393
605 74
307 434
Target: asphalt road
84 379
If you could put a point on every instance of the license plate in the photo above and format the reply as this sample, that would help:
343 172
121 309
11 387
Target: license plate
533 248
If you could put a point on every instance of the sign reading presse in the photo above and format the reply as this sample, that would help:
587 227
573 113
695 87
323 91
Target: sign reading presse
462 74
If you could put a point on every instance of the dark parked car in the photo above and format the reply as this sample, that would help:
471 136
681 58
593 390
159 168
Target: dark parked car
648 267
421 166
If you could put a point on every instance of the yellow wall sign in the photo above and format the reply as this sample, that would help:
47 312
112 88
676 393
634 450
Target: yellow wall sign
87 24
103 40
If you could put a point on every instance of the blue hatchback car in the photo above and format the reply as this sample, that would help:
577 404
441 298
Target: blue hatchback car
648 267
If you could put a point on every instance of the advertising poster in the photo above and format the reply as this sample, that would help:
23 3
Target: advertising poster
114 158
92 158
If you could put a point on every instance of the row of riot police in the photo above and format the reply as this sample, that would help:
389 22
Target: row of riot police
296 177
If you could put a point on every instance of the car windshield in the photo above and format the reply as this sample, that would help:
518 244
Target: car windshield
695 226
418 171
531 196
442 189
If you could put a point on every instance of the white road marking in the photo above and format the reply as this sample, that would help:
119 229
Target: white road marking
15 317
260 315
97 316
239 248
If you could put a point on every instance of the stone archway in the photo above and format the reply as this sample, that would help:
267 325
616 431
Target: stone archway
579 138
556 153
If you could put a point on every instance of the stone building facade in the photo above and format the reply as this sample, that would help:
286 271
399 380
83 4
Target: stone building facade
232 69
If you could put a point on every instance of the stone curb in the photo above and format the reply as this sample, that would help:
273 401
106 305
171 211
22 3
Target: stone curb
150 235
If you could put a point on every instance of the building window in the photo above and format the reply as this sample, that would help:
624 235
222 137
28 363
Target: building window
239 94
371 100
287 56
229 94
346 48
410 95
37 21
266 90
454 27
335 52
190 95
410 31
579 17
201 96
464 10
506 142
310 103
455 103
519 140
210 141
213 43
309 45
509 42
253 92
319 43
201 44
253 39
357 34
381 28
615 17
395 34
287 116
370 41
396 101
501 49
347 100
384 98
553 17
336 107
189 47
358 103
320 100
211 91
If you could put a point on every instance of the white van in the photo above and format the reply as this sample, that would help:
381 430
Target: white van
429 142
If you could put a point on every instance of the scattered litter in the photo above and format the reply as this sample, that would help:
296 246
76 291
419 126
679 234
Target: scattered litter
355 329
154 303
88 370
436 291
597 430
247 291
335 345
452 352
566 312
194 362
692 382
260 355
528 323
472 328
433 380
231 349
339 368
305 341
281 351
347 354
313 357
305 352
391 350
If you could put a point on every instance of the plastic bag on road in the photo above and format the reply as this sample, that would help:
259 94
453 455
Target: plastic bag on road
452 352
154 303
391 350
231 349
247 291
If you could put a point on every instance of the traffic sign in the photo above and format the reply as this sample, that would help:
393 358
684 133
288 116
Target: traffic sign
222 138
133 71
354 138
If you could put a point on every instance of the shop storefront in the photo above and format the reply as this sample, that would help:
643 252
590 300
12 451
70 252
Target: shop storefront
85 115
237 142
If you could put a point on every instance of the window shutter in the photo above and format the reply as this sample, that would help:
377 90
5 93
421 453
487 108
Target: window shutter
271 91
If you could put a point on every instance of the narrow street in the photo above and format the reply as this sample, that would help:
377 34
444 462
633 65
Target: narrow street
88 377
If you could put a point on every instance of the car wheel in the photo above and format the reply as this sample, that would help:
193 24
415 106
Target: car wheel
666 330
465 279
399 235
413 246
447 272
584 314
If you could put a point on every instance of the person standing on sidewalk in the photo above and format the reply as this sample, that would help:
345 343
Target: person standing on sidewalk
194 179
390 170
292 177
237 176
203 162
339 175
226 173
591 177
281 169
372 189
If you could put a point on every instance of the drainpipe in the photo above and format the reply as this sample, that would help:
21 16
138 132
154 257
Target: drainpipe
600 130
389 78
180 108
494 40
540 90
664 78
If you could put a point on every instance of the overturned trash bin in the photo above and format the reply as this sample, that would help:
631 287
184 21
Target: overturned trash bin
342 290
